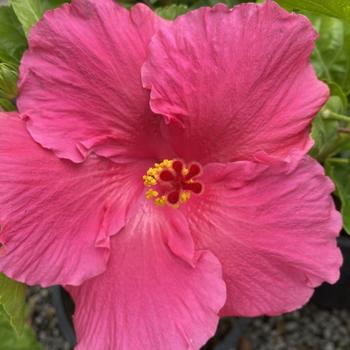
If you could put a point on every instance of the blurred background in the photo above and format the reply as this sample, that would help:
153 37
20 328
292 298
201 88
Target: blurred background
323 324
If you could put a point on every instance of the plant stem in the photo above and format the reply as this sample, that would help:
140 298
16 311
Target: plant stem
344 130
328 114
339 160
324 67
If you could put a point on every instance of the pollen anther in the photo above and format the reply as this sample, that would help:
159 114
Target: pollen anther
152 176
185 196
151 194
161 201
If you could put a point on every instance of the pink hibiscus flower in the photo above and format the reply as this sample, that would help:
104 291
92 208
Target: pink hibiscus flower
168 184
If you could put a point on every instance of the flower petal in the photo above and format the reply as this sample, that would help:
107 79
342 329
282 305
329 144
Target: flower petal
80 85
149 297
272 228
235 84
56 216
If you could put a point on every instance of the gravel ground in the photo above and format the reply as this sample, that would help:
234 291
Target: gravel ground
306 329
44 320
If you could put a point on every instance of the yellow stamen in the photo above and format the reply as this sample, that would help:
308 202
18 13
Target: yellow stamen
185 171
151 194
152 175
161 201
185 196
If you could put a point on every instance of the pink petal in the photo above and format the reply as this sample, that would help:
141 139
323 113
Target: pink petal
56 216
150 298
273 229
235 84
80 86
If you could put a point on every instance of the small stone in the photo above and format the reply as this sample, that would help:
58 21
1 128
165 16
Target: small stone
291 326
329 346
308 329
328 333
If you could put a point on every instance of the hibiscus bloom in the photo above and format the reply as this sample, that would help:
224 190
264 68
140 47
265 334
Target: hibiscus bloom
159 171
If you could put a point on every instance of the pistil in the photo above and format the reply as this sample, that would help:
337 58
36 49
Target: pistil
172 182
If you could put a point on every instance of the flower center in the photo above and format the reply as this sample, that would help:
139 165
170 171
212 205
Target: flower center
172 182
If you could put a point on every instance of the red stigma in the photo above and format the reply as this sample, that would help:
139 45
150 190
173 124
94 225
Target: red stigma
178 179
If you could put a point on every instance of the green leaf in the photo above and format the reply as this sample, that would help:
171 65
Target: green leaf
51 4
10 341
172 11
8 81
12 38
340 173
331 57
333 8
325 132
200 3
12 299
6 105
29 12
336 90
